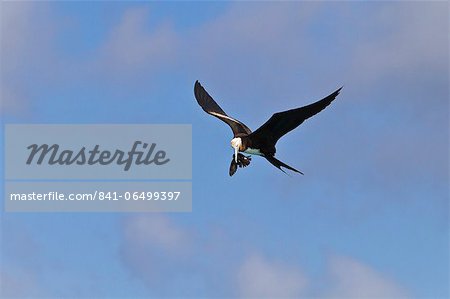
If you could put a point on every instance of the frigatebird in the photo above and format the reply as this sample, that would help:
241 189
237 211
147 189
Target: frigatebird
262 141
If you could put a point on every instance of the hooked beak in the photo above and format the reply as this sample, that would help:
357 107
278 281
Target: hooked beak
236 154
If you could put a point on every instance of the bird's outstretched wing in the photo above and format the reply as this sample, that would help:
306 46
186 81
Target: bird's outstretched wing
283 122
210 106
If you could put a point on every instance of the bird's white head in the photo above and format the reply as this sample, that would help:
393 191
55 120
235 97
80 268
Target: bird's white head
236 144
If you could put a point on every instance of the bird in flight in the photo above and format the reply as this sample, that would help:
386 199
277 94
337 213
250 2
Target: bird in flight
262 141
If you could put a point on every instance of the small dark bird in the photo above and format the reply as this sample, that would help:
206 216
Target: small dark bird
262 141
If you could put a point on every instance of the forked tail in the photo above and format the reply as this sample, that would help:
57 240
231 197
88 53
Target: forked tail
278 164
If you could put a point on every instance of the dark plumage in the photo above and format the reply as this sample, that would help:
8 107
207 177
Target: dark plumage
262 141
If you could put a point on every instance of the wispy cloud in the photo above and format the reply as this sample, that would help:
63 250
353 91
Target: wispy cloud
411 37
345 277
259 277
132 48
155 231
20 284
154 248
350 278
21 261
23 45
263 41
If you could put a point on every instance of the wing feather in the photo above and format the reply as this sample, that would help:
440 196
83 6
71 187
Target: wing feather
211 107
283 122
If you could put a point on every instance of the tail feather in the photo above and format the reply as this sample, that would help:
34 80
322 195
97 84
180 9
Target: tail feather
278 164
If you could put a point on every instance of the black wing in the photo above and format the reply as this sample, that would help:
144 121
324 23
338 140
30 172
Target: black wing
210 106
283 122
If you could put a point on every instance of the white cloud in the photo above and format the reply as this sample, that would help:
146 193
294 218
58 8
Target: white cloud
271 28
282 46
353 279
13 100
21 284
345 277
26 34
414 39
259 277
154 230
263 41
15 21
21 261
154 248
131 47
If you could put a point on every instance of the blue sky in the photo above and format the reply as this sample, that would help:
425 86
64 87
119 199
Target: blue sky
368 219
